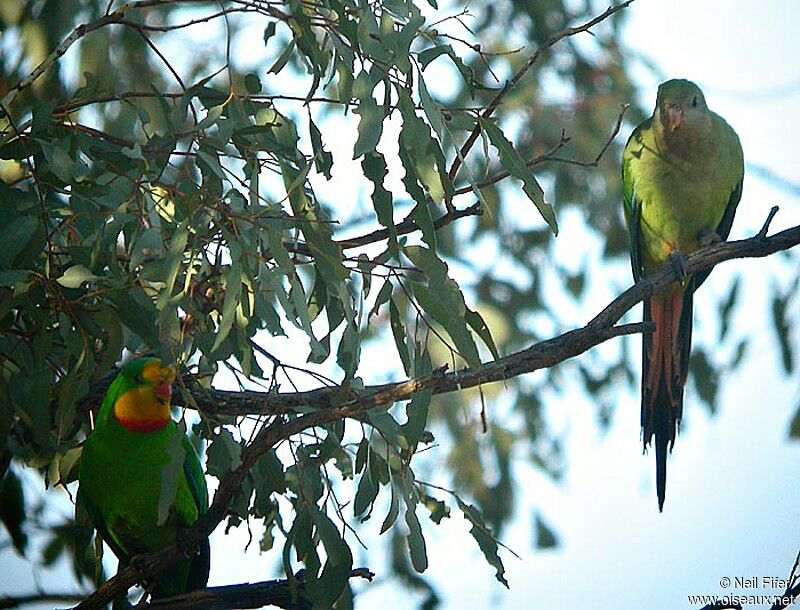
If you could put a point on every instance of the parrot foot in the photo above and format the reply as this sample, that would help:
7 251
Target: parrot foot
188 549
707 236
139 565
679 263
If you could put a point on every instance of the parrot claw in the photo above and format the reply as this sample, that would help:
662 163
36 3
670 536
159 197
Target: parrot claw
139 565
680 264
707 237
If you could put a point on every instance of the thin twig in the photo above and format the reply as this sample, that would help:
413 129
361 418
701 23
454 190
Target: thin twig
498 98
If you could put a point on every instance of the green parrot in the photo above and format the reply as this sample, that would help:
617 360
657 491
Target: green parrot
122 468
682 172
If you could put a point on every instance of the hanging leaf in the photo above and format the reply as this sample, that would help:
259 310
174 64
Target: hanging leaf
514 164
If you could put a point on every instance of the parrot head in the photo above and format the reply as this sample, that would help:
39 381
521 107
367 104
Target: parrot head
144 391
680 107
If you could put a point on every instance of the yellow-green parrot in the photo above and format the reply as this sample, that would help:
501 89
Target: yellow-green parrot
123 465
682 172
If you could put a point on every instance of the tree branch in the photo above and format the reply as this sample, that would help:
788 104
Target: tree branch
281 593
552 157
565 33
333 404
16 601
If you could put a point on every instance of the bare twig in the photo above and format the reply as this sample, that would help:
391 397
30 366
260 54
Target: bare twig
498 98
765 227
551 157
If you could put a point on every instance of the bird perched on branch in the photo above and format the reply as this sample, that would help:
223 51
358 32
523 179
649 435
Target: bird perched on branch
682 172
140 478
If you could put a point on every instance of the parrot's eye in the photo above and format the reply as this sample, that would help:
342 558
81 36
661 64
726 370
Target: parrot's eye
694 102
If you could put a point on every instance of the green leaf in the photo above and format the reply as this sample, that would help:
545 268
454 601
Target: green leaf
361 454
512 162
366 492
423 151
224 454
478 324
76 276
706 378
349 352
384 294
438 509
417 416
394 509
284 57
399 334
15 235
251 81
326 589
545 536
727 308
12 510
210 163
212 116
781 324
176 453
443 301
58 160
323 159
318 234
148 246
794 426
375 169
137 312
415 539
293 304
232 277
428 55
370 125
486 541
173 263
269 32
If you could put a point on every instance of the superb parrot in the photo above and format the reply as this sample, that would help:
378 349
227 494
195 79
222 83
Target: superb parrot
682 172
123 465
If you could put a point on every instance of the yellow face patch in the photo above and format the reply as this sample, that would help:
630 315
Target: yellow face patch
155 374
146 407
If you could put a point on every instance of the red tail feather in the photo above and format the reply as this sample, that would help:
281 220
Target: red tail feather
665 362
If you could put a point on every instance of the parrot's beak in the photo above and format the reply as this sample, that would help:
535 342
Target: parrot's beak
163 391
161 378
673 114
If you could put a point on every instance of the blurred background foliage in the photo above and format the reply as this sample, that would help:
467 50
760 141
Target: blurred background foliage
174 182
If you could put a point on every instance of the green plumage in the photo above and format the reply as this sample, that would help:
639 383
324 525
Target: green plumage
121 475
682 172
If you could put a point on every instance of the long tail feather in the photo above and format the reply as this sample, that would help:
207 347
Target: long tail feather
665 364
